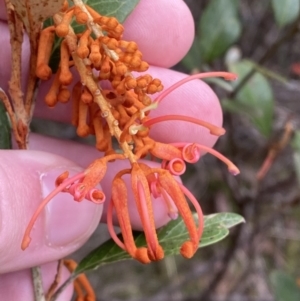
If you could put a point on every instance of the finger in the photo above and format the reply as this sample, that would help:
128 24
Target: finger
163 29
18 285
27 177
195 99
3 15
167 25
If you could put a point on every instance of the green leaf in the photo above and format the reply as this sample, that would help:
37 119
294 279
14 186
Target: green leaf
296 156
296 141
219 28
255 99
5 133
119 9
192 59
285 11
170 237
284 286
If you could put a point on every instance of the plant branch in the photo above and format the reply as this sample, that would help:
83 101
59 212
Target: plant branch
63 286
38 284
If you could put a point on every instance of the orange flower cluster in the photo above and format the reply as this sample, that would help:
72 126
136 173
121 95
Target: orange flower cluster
107 57
120 112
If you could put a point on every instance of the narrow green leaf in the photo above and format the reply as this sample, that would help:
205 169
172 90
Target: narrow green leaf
225 219
119 9
296 141
5 133
296 156
285 11
219 28
170 237
256 97
284 286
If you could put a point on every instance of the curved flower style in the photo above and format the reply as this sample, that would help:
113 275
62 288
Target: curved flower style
122 113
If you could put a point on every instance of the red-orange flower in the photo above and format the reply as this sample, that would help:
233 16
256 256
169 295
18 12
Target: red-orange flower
121 113
146 182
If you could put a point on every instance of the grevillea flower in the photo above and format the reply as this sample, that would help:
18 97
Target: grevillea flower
146 182
122 113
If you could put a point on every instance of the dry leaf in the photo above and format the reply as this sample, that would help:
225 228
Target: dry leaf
34 12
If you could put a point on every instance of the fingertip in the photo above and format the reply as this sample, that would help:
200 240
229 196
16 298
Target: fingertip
194 99
63 225
163 29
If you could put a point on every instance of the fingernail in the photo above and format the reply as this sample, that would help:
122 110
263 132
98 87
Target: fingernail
67 221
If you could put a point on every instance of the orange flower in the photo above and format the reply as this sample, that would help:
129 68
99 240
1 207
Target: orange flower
122 113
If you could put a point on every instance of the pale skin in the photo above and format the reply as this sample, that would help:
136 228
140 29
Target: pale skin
164 33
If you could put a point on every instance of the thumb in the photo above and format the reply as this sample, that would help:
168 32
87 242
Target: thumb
26 178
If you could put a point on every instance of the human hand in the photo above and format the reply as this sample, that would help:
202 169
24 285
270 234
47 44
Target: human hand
164 32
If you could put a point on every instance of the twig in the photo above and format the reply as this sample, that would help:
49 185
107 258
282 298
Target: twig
275 150
56 281
63 286
15 26
37 284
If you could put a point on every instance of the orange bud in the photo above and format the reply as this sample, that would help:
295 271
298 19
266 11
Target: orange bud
63 95
131 47
86 96
112 43
95 55
130 83
80 16
144 66
83 129
65 76
105 65
43 71
83 50
135 62
151 89
62 29
121 69
51 96
76 94
112 23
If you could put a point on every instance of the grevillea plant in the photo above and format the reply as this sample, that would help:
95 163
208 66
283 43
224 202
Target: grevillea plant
120 112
